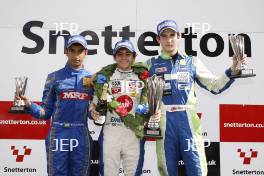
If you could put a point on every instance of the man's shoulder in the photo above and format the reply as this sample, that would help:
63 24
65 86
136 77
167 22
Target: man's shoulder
62 70
87 73
107 69
188 58
183 55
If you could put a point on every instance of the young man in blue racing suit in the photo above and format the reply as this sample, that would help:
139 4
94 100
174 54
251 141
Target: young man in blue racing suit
66 98
179 123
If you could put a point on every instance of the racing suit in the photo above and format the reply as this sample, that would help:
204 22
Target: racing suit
66 100
117 141
180 124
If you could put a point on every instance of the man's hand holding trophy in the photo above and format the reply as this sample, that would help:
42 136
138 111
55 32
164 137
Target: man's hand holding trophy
20 102
239 69
155 91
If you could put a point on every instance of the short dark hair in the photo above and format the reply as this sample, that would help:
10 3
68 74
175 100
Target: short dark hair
134 53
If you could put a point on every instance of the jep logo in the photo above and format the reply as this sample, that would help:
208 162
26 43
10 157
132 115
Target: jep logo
247 159
20 157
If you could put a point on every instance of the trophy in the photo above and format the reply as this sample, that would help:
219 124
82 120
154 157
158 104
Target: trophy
155 93
101 106
18 104
237 44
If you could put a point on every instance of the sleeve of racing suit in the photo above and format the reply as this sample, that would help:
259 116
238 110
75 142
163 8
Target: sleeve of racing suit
207 80
45 110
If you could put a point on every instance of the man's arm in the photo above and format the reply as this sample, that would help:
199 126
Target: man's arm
45 110
209 81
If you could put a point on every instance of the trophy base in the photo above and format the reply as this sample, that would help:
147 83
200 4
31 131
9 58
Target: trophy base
19 110
244 74
152 133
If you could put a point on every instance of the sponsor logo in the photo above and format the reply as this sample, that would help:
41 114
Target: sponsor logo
32 31
183 76
126 102
17 169
144 171
209 163
20 157
238 121
247 159
74 96
131 86
160 69
179 76
116 120
116 87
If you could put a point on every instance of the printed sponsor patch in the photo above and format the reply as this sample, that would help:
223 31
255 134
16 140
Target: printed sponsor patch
167 85
116 87
183 76
179 76
160 70
87 82
116 83
126 101
184 87
116 90
132 86
75 95
116 121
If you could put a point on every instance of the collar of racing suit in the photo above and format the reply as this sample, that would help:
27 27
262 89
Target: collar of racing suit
124 71
167 56
73 71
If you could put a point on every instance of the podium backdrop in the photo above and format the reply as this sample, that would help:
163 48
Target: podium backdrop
32 37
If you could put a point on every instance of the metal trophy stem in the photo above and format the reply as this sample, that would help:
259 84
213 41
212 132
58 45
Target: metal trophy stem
155 93
18 105
238 46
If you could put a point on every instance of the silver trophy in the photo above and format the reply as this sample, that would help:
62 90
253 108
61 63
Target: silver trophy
18 104
155 93
238 46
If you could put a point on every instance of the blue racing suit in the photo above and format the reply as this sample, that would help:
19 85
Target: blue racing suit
66 100
180 125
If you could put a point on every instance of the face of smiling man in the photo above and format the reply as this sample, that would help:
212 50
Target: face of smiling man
124 59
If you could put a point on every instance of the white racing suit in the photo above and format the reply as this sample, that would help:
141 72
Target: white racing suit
117 141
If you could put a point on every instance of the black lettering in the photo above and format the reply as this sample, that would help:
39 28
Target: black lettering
126 34
30 35
108 34
94 41
142 43
53 36
219 44
188 36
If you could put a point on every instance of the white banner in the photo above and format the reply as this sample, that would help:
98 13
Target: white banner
31 46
